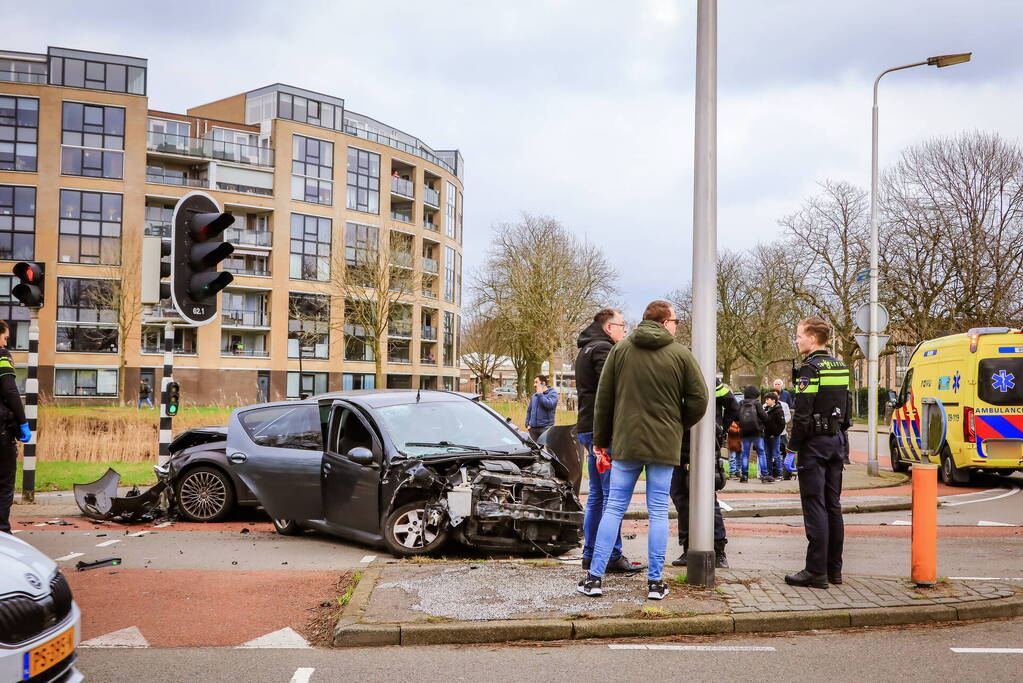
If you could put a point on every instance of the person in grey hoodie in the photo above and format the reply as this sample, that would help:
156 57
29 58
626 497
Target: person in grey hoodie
542 404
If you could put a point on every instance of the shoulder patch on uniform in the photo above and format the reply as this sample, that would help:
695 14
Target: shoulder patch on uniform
803 383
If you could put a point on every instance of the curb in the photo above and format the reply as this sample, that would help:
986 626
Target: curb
790 510
350 633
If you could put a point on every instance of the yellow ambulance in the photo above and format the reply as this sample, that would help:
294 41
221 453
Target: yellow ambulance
977 378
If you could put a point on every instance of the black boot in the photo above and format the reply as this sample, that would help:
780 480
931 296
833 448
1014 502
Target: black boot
681 561
720 560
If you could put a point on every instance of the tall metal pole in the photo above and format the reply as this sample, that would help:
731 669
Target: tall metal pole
28 466
166 420
700 554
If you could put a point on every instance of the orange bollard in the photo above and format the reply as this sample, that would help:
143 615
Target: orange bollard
925 524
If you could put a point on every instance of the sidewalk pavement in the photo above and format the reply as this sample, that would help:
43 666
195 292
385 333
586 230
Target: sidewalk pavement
436 601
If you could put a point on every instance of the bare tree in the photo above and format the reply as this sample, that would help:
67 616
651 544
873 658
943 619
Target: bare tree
371 287
308 324
116 302
769 309
482 351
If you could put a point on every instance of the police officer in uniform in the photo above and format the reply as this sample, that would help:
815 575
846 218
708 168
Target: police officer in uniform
821 413
726 411
13 425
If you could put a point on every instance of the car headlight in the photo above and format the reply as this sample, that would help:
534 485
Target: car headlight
162 470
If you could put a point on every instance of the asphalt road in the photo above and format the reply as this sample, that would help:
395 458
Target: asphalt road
903 654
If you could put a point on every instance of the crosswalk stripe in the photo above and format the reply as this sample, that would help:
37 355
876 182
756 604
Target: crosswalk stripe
984 522
69 556
104 544
137 534
693 648
302 675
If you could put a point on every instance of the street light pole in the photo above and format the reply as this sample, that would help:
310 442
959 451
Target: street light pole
873 347
702 451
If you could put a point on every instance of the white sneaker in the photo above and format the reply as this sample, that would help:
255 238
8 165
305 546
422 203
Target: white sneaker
656 590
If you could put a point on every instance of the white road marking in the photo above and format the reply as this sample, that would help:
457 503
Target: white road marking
988 650
42 524
984 522
286 638
901 522
162 525
986 578
984 500
15 531
104 544
368 559
302 675
69 556
126 637
725 506
140 533
695 648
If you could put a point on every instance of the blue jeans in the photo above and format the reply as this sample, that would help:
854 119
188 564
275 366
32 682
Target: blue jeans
733 462
758 443
596 501
147 401
624 475
774 454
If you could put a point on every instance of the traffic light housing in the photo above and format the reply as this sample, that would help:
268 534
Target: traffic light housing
173 398
155 267
31 287
197 248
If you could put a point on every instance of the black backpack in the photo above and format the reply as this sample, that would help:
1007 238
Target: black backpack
748 423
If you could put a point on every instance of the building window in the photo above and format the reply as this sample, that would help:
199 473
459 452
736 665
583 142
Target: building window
312 168
363 181
90 228
87 315
309 384
458 279
449 339
352 381
158 219
239 263
449 384
359 343
399 381
19 129
184 340
96 75
305 110
14 313
310 247
458 220
165 135
93 140
449 210
17 222
308 325
19 71
361 244
84 382
449 274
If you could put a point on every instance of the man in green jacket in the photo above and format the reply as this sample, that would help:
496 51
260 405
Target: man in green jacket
651 390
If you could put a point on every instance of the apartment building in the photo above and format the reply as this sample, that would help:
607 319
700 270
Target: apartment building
87 169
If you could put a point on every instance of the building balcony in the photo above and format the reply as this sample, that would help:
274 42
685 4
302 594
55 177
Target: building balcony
402 187
403 216
402 259
429 294
233 317
430 265
401 330
255 271
428 333
249 238
245 189
149 347
427 360
430 225
203 148
431 197
243 352
399 358
160 176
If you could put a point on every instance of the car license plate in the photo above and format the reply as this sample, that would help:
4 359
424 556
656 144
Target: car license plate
41 658
1004 450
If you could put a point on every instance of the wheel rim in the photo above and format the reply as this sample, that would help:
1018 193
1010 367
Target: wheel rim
203 495
946 468
282 523
414 530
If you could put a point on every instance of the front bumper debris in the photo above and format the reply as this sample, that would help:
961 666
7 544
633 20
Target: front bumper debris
487 510
99 499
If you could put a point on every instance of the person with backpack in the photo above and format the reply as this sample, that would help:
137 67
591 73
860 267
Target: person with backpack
752 419
773 430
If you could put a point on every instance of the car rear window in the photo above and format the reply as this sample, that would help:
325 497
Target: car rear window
1000 381
295 426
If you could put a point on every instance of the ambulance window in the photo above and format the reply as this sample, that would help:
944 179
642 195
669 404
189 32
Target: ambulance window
1000 381
907 383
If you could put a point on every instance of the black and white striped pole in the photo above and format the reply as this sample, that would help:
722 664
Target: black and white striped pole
168 392
28 466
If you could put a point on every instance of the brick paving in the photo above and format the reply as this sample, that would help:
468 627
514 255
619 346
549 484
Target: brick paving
753 591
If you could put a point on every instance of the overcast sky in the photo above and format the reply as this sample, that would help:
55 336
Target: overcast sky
583 109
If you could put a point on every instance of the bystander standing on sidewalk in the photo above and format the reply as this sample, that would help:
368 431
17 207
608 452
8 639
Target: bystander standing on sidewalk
651 390
145 393
733 442
542 405
784 395
773 430
594 343
13 425
752 419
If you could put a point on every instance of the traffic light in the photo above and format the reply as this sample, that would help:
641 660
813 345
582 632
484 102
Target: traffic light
155 267
197 248
173 398
31 285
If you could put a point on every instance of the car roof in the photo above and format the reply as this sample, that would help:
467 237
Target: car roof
377 398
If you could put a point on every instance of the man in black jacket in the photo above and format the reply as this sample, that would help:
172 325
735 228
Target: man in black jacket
595 342
752 419
773 430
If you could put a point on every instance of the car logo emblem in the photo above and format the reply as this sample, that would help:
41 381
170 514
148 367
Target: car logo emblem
33 580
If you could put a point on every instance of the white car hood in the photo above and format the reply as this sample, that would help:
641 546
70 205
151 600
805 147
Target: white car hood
21 566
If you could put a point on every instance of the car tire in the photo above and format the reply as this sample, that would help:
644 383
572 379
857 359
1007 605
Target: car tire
204 494
898 464
950 474
286 527
404 533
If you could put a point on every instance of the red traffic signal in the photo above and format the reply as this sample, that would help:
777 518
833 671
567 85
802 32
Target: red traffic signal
30 290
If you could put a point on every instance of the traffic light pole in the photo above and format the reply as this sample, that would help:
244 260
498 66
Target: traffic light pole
166 419
28 468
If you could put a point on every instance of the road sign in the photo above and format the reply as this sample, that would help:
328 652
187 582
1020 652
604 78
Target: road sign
863 318
863 339
862 275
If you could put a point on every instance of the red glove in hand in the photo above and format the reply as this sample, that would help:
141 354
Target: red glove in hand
603 462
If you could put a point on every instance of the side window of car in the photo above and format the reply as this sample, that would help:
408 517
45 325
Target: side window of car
907 384
352 433
288 426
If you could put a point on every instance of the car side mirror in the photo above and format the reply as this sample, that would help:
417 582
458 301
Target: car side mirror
361 456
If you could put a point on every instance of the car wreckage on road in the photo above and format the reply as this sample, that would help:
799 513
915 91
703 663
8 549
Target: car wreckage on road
406 469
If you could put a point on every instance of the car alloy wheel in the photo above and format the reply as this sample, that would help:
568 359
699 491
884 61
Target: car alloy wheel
205 494
411 530
286 527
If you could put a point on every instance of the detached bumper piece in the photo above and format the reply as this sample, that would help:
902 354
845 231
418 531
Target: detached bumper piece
486 510
99 500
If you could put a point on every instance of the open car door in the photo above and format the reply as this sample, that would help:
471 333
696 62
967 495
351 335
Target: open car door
276 450
352 461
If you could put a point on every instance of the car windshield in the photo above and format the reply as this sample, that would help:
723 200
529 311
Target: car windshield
459 424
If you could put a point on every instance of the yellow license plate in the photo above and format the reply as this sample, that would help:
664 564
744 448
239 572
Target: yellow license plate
41 658
1003 450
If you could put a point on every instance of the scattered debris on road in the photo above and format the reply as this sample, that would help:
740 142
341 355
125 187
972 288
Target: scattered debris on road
106 562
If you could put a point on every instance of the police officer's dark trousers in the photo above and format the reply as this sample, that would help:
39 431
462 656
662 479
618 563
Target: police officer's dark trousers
820 491
8 467
680 497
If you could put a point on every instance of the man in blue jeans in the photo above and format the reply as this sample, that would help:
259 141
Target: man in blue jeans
595 342
752 419
651 390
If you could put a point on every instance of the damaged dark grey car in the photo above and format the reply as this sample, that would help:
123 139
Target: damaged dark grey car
409 470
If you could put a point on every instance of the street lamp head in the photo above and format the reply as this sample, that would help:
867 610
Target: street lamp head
949 60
